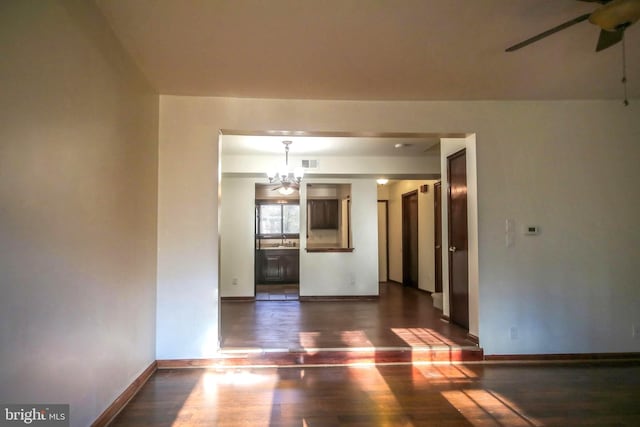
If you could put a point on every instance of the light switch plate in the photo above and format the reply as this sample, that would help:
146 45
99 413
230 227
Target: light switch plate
531 230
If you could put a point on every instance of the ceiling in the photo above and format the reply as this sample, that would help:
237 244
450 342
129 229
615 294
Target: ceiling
410 145
371 49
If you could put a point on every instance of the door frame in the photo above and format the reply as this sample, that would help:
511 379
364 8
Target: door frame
437 243
386 223
467 138
406 260
459 153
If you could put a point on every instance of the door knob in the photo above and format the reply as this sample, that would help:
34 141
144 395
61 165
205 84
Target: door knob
452 249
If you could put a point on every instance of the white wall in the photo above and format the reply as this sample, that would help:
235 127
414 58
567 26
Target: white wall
351 273
237 238
78 209
361 165
426 235
321 274
562 165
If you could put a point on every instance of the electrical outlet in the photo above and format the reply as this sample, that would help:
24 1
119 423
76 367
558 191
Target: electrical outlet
635 331
234 281
513 333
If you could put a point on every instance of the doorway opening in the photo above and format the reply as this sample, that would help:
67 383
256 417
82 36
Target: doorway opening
410 239
383 240
238 284
277 244
437 227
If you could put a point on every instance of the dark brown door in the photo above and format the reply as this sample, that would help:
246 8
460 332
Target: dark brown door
437 215
410 239
383 240
458 239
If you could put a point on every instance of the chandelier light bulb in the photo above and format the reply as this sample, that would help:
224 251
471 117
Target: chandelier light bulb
289 181
285 191
284 173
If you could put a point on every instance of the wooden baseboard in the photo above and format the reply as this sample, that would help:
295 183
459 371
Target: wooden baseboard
560 357
339 298
394 282
121 401
241 299
474 339
329 357
445 318
185 363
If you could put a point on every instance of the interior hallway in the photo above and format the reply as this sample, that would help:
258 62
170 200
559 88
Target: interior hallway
400 317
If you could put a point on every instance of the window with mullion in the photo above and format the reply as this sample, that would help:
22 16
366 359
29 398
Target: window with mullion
279 219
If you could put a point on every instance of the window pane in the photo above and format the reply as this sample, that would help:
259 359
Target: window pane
270 220
291 219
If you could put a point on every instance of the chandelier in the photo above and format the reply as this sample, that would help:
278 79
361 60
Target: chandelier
288 181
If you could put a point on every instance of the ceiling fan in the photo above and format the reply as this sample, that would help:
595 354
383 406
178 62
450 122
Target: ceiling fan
613 18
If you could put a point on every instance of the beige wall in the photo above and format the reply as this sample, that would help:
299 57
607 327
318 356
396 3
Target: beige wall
570 289
426 260
353 273
78 209
237 238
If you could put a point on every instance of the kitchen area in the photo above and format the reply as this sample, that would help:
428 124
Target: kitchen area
277 244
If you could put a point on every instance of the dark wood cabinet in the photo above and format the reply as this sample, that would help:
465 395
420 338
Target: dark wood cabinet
323 214
277 266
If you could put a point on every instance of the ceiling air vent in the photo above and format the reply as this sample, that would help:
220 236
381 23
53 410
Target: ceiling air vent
310 164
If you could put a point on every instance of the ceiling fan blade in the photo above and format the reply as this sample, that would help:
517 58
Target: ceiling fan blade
290 185
547 33
609 38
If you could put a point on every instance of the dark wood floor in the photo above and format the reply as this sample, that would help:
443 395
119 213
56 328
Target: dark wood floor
277 292
401 317
596 394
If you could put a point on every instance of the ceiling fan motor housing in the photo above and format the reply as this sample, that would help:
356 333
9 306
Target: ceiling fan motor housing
616 14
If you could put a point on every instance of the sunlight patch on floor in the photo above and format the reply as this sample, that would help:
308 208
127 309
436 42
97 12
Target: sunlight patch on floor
348 339
446 374
355 339
308 339
387 409
211 393
483 408
420 337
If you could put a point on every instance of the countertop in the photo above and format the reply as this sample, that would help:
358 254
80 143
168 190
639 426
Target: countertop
279 248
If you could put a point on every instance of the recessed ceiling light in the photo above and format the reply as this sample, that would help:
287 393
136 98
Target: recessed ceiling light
382 181
402 145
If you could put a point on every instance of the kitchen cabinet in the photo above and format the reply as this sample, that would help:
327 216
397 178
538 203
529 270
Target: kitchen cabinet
323 214
277 266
